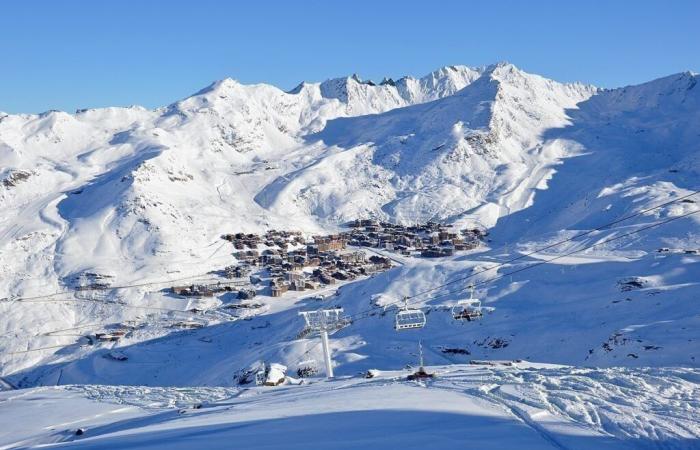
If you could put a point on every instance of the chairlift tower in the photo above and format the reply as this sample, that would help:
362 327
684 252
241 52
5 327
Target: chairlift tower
420 353
322 321
411 319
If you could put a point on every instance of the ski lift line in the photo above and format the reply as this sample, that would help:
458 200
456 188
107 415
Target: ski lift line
36 349
540 263
53 332
79 327
304 355
547 247
534 252
358 316
126 286
361 314
69 292
155 308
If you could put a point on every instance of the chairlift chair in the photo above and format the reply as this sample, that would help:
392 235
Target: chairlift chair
469 309
409 318
260 377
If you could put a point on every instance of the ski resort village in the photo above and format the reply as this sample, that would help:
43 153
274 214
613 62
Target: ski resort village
474 258
277 262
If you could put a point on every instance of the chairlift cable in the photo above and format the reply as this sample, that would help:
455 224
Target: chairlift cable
120 287
362 314
555 244
524 255
359 316
37 349
412 298
543 262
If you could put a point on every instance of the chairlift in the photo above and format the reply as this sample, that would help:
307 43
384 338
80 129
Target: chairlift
260 377
469 309
324 319
409 318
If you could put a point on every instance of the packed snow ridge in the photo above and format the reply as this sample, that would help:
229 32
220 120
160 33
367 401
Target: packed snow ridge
527 406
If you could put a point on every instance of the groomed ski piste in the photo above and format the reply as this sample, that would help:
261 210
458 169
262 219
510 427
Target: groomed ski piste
589 278
526 405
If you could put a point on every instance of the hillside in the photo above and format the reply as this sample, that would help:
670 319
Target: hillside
142 197
528 406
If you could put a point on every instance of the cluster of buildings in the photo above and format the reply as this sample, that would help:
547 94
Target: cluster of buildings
92 280
327 267
286 261
272 238
293 264
429 240
208 290
113 333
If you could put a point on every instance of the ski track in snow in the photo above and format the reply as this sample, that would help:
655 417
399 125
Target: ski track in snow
622 407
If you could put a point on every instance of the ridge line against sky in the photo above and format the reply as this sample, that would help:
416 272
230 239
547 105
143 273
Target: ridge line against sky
82 54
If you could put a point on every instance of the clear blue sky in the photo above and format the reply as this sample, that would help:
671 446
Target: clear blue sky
76 54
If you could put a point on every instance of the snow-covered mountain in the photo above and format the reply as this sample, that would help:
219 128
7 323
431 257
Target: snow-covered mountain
123 183
144 195
141 197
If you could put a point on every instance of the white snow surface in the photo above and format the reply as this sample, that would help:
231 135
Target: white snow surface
143 196
528 406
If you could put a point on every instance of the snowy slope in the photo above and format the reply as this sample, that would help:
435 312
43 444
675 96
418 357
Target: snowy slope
117 186
143 196
526 407
478 153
